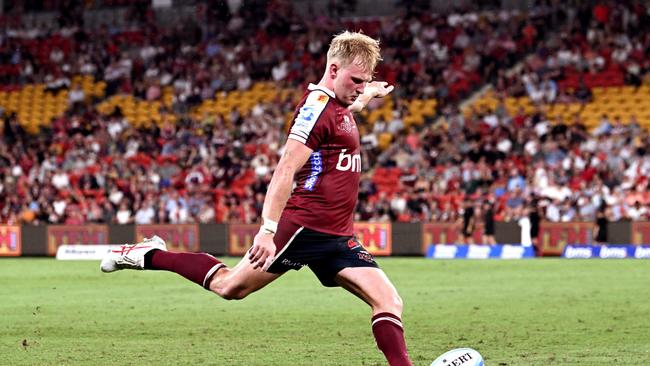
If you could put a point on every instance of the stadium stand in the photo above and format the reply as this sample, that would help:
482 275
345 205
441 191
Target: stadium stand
133 121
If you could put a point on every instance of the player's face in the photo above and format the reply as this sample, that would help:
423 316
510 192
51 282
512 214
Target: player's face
350 81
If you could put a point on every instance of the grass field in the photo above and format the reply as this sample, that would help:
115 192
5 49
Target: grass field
533 312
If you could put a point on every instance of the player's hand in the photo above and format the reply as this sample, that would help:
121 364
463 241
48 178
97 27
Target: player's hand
378 89
373 89
262 252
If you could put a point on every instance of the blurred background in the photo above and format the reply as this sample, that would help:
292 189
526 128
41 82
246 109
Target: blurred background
128 112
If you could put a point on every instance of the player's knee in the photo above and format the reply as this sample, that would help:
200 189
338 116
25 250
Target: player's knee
232 292
390 304
224 286
398 304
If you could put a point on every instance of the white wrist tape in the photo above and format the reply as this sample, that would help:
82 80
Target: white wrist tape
269 226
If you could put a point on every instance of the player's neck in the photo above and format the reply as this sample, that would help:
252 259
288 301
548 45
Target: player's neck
327 82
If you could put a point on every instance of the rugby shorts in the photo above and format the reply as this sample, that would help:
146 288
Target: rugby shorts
325 254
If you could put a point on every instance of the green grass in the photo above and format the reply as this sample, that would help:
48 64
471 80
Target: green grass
534 312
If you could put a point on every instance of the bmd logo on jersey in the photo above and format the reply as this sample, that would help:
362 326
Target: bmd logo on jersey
349 162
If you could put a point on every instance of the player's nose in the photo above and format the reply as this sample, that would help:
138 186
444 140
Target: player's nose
360 88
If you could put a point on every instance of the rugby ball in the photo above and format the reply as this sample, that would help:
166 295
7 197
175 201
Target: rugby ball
459 357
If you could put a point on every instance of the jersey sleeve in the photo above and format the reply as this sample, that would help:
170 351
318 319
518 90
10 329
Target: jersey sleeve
306 127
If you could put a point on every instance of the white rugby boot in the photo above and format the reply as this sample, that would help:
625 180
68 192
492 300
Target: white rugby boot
131 256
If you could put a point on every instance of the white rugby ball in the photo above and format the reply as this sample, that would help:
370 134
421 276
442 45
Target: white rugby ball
459 357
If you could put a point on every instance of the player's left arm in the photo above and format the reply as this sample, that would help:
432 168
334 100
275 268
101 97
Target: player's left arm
373 89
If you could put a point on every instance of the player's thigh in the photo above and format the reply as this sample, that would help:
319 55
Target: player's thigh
241 280
372 286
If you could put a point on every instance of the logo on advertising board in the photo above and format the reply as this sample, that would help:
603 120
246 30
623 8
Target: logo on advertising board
85 252
446 233
240 238
555 236
179 238
478 251
640 232
442 251
613 252
473 251
10 244
607 251
571 251
58 235
513 251
642 252
376 237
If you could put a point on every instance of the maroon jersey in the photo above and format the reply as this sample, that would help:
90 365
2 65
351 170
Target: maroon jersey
327 185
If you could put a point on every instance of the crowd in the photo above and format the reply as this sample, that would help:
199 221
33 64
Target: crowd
86 167
523 162
602 45
221 49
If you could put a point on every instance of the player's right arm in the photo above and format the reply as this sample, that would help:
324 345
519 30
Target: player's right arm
305 135
295 156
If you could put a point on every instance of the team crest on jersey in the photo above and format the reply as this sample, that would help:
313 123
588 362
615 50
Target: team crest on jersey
322 98
346 126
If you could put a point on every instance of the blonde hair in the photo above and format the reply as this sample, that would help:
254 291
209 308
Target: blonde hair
349 47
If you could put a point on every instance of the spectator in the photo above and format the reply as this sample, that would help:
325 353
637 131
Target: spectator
468 222
488 223
600 232
123 214
534 216
525 224
76 97
146 214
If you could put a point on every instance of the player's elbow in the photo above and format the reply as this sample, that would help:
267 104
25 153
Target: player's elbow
284 172
283 176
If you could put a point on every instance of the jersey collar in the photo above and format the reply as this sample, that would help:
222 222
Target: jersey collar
325 90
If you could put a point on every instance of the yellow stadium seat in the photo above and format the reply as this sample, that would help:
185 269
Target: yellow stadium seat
385 138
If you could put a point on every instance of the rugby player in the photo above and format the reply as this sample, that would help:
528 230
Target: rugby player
310 225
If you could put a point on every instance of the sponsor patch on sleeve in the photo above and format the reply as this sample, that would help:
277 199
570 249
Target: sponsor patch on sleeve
307 116
322 98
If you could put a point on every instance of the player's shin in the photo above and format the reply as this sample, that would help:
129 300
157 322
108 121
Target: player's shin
196 267
389 334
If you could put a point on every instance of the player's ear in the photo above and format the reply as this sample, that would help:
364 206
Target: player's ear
333 70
